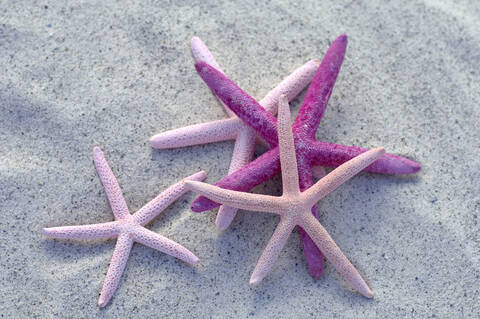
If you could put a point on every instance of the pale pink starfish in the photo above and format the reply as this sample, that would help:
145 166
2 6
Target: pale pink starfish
294 206
126 227
233 128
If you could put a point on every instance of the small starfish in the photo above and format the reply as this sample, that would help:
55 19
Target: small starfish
309 151
233 128
126 227
294 206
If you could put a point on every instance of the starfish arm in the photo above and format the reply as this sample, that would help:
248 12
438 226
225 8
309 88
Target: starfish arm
241 156
313 255
203 133
340 175
258 171
148 212
273 249
333 155
291 86
254 202
165 245
318 172
112 189
319 92
333 254
93 231
244 106
288 159
116 268
200 52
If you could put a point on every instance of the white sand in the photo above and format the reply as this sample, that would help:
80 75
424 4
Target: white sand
73 76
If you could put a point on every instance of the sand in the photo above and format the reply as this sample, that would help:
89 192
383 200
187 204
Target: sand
111 74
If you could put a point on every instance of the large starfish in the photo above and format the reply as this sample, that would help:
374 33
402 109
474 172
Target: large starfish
126 227
232 128
308 150
294 206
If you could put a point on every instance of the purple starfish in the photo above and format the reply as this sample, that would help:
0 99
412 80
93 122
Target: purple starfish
309 151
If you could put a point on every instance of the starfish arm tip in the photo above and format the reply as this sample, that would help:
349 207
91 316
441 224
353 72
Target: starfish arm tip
47 232
416 167
194 39
398 165
157 141
343 37
255 280
152 140
369 294
102 302
97 151
198 176
407 166
195 260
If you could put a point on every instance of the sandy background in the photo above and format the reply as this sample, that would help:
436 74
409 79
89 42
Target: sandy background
113 73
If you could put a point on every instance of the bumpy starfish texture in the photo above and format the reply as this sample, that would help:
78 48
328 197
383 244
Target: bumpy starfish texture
294 206
232 128
309 151
126 227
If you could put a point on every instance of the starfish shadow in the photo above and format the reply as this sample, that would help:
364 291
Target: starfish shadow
64 250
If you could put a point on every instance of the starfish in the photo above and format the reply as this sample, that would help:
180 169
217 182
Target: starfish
232 128
294 206
126 227
308 150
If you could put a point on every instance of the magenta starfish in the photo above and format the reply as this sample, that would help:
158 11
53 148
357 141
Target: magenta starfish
309 151
233 127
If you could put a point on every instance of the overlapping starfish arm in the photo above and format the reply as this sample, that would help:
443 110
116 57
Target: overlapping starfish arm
333 254
341 174
228 129
197 134
200 52
115 270
148 212
295 179
318 94
291 86
288 159
333 155
254 202
241 156
112 189
261 169
165 245
239 102
272 250
313 255
93 231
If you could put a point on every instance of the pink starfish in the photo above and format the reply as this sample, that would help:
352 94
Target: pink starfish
126 227
308 150
294 206
232 128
